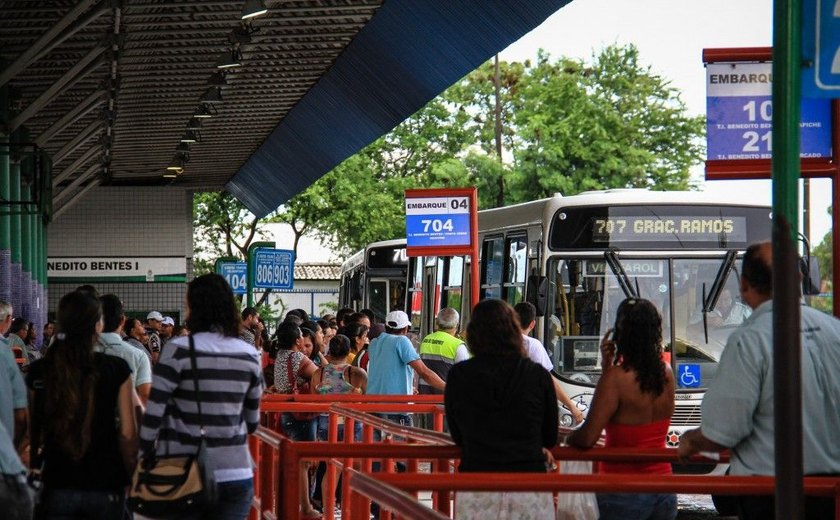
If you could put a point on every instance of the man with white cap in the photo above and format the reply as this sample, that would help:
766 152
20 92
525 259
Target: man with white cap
393 361
154 322
166 327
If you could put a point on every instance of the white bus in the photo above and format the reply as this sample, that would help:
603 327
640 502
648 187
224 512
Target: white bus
375 278
576 258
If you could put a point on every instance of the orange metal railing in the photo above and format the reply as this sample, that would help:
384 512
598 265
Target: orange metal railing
279 465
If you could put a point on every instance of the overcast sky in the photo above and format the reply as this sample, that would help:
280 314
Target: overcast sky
670 36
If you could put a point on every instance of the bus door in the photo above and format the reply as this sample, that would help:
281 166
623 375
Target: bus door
430 297
385 295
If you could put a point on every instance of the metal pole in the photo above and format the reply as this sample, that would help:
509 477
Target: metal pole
787 391
249 279
14 225
5 218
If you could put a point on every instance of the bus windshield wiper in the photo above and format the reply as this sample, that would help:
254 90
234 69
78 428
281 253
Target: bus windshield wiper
618 270
710 300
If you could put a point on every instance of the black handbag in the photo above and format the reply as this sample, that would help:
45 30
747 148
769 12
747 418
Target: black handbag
171 486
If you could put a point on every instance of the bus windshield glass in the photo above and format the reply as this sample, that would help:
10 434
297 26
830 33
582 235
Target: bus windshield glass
584 294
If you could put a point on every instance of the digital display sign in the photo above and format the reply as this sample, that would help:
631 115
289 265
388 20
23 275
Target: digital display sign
654 227
677 228
387 257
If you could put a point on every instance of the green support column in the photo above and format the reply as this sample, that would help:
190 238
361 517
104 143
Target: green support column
249 294
5 218
44 216
787 393
14 230
5 222
29 290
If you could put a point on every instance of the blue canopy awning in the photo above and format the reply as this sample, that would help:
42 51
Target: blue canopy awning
409 52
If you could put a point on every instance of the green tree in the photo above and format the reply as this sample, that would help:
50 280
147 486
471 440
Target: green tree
223 226
361 200
824 254
614 124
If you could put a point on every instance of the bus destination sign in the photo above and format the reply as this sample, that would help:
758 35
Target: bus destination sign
669 229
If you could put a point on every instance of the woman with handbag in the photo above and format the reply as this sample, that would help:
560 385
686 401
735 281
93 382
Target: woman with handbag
633 401
85 454
502 410
292 372
204 402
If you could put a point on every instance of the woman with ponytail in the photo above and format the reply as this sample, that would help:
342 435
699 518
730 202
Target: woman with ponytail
85 450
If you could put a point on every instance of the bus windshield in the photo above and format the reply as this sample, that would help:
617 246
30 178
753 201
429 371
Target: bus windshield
584 294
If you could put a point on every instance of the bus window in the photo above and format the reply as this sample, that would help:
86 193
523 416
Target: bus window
378 299
515 267
454 279
696 353
397 294
492 268
415 291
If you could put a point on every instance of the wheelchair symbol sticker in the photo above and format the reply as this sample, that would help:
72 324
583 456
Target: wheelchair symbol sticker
689 376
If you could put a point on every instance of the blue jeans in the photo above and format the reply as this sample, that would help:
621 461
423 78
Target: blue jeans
76 504
234 502
402 419
298 430
323 429
628 506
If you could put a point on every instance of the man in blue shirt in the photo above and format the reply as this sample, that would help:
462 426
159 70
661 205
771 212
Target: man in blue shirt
393 361
738 408
13 399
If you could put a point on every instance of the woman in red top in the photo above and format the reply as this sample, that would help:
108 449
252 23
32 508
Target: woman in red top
633 401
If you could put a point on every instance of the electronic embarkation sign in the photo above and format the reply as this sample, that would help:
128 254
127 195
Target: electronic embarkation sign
440 218
739 115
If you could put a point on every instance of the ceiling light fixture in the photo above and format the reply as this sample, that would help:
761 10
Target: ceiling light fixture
194 124
217 79
229 59
205 111
242 34
176 166
191 136
253 8
212 96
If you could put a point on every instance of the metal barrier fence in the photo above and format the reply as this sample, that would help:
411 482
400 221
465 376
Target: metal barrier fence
279 465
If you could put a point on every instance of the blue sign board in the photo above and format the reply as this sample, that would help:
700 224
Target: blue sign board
274 269
235 274
689 375
437 221
739 115
821 48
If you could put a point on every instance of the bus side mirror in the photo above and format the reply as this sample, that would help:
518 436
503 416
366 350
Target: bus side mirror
809 268
536 292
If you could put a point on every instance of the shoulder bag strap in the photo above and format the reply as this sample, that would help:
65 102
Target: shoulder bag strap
194 367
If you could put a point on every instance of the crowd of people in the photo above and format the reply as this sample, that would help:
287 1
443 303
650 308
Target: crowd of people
103 391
